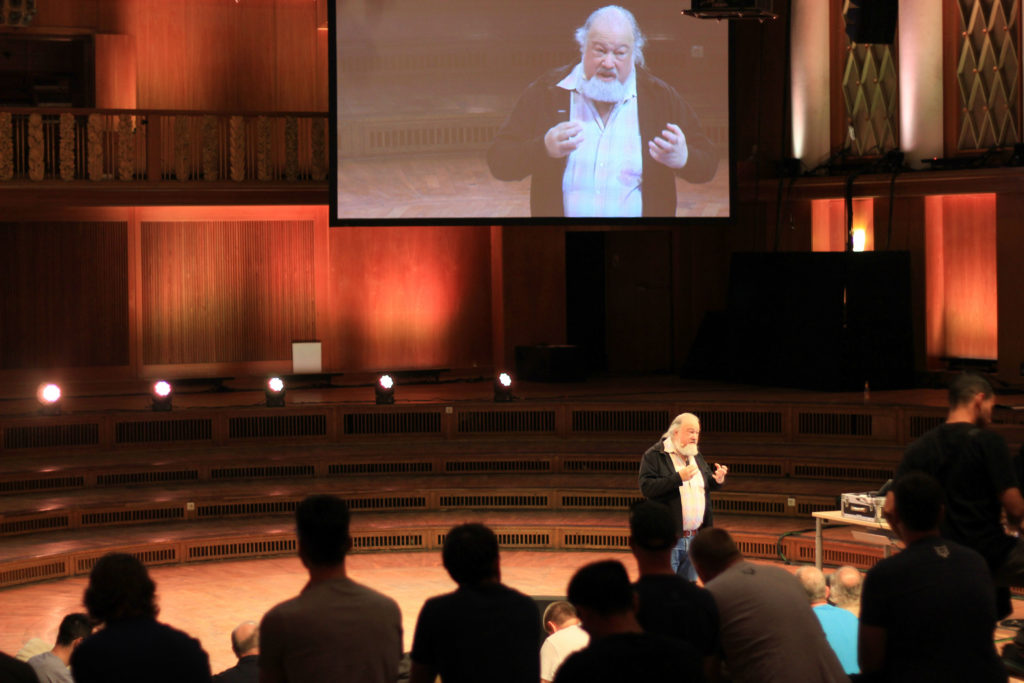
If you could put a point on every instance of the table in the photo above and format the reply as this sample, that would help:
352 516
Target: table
836 517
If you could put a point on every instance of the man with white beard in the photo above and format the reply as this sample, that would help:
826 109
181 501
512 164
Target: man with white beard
674 473
603 137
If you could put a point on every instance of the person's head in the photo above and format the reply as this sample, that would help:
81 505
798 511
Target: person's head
712 551
558 615
73 628
322 525
470 554
601 591
844 586
685 433
813 582
119 588
611 43
972 393
651 528
914 505
245 639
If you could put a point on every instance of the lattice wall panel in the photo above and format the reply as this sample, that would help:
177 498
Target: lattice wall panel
988 74
870 85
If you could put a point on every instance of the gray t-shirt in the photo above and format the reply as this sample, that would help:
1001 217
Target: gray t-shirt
50 669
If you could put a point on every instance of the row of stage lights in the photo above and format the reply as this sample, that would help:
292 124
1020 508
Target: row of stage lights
49 395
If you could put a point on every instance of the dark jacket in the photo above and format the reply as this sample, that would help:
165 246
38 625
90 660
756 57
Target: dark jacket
660 482
518 149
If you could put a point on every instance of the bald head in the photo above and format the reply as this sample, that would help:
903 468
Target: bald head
813 582
845 584
245 639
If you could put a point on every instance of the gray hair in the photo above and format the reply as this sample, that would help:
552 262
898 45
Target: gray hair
639 40
678 422
813 582
846 583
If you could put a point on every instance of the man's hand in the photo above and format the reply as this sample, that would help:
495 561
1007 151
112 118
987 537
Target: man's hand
689 472
720 472
563 139
669 148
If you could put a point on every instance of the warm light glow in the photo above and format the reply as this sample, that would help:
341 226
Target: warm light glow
386 382
505 379
49 393
859 239
276 384
162 389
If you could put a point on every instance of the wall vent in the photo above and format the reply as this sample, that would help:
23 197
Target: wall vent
762 549
524 540
146 477
592 540
599 501
23 526
147 557
620 420
920 424
39 572
153 431
41 484
514 421
253 508
277 426
263 472
242 549
131 516
494 501
52 436
387 541
380 468
497 466
388 503
808 508
834 424
879 474
756 469
393 423
581 465
741 422
749 507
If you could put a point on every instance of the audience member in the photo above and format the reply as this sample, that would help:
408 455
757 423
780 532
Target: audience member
844 585
245 643
768 631
928 612
13 670
31 648
619 650
562 623
839 625
132 645
52 666
335 629
667 603
482 631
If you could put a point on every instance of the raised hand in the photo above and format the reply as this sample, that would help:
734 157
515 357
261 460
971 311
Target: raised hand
670 148
563 138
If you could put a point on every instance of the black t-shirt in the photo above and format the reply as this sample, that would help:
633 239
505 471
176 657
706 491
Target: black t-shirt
484 632
633 657
140 649
935 602
973 465
672 606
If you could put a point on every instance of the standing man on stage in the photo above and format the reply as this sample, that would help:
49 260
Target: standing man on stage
674 473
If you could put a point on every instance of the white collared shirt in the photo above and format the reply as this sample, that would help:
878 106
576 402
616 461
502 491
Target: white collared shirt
691 493
603 175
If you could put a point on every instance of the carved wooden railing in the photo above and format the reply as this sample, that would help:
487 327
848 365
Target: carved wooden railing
144 145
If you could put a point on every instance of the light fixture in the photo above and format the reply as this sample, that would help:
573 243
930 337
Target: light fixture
503 388
274 392
859 239
49 399
162 395
384 390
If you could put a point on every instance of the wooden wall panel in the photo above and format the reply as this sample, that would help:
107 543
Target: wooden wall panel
409 297
65 295
226 291
533 269
116 78
1010 253
828 231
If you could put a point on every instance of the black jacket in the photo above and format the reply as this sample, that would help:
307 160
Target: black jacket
660 482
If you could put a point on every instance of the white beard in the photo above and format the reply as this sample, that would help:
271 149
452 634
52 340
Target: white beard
689 450
603 91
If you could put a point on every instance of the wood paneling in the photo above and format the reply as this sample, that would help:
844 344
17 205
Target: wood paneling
65 294
533 268
226 291
828 232
1010 276
116 78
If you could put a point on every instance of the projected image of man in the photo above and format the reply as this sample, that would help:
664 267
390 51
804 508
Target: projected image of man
603 137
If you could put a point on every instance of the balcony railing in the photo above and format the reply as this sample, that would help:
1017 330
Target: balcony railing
135 145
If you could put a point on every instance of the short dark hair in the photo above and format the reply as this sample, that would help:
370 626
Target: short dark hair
919 499
560 611
470 553
603 587
119 588
322 525
714 549
652 526
966 386
72 627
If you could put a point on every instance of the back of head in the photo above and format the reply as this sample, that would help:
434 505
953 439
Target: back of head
845 584
245 638
322 525
558 613
918 498
965 387
813 582
470 554
651 526
713 550
72 627
602 587
119 588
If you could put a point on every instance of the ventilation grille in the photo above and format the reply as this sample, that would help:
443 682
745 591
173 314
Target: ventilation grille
920 424
41 484
242 549
52 436
741 422
599 501
863 560
263 472
22 526
393 423
146 477
498 466
380 468
494 501
253 508
147 557
164 430
429 137
619 420
387 541
750 507
756 469
583 540
524 540
277 426
131 516
41 572
763 549
624 466
808 508
834 424
842 472
388 503
506 421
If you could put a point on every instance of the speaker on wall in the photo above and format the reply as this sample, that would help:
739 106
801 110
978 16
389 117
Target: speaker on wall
872 21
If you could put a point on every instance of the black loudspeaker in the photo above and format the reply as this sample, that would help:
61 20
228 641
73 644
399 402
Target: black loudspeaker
872 21
828 321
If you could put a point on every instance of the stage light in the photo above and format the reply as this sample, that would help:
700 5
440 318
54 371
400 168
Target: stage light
162 395
384 390
503 388
275 392
859 239
49 399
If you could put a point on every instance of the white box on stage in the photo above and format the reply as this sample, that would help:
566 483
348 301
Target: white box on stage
862 506
306 358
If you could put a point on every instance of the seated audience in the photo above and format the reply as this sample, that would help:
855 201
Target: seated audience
667 603
839 625
844 585
768 632
52 666
14 670
132 645
928 612
619 650
484 630
335 629
566 636
245 643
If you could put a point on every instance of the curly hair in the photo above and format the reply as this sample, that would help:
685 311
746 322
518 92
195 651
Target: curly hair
120 588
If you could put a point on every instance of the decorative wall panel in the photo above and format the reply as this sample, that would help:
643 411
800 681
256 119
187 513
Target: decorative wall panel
870 87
